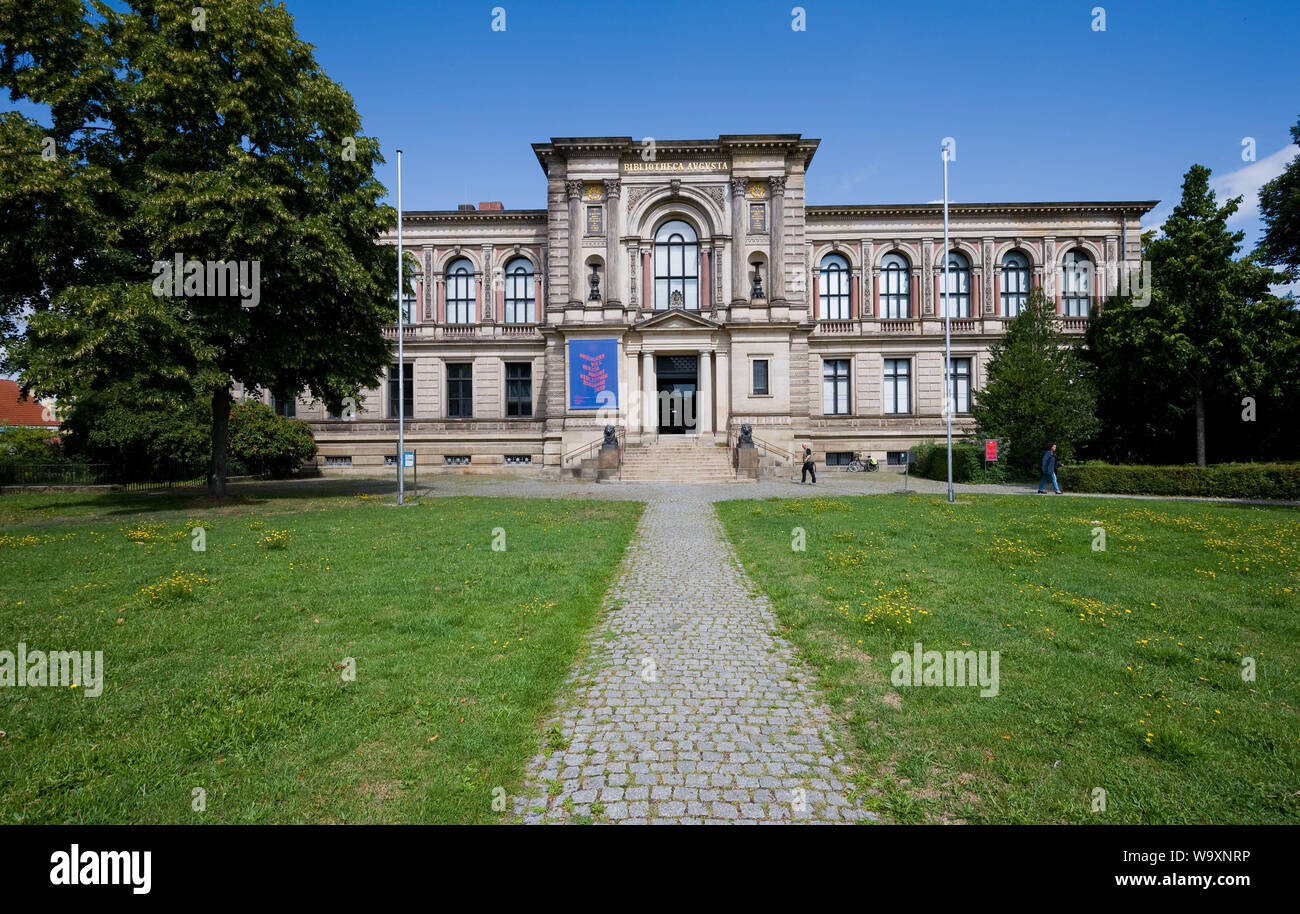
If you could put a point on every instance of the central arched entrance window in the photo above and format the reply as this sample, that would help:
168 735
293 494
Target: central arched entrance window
677 268
833 297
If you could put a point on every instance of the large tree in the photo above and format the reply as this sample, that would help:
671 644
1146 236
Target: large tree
1210 331
1039 390
1279 206
208 133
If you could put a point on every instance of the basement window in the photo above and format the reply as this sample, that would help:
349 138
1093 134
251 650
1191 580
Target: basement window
519 458
451 460
332 461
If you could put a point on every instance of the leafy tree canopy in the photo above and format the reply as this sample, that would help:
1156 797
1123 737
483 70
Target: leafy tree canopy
216 137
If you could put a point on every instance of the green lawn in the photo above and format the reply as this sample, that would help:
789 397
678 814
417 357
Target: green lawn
224 669
1119 669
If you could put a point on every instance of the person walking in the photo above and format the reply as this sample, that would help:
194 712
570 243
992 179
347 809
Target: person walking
808 466
1048 467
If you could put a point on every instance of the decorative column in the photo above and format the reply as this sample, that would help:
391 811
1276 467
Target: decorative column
442 297
739 280
647 278
874 296
573 192
633 280
613 283
854 279
776 232
724 390
704 280
494 292
704 395
649 393
427 305
633 393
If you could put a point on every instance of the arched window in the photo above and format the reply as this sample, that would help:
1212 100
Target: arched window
412 289
462 290
955 297
1076 283
833 296
677 269
1015 283
521 292
895 287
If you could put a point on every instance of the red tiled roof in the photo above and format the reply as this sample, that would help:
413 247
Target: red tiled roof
21 412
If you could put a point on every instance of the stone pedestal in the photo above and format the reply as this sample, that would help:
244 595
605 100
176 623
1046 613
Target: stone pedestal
747 462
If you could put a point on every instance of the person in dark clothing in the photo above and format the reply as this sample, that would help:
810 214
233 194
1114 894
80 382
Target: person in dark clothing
1048 467
808 466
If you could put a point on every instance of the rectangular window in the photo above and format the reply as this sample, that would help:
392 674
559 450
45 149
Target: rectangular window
835 387
287 407
896 458
839 458
960 390
898 386
455 460
332 461
460 391
519 458
519 389
408 392
760 378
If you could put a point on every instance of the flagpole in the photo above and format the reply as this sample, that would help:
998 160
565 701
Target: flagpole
401 365
948 405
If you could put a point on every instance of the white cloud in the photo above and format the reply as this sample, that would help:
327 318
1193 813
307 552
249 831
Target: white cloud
1246 181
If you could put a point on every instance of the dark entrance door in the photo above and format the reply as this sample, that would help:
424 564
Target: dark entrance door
676 378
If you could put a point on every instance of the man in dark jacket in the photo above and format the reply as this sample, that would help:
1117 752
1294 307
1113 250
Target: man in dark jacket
808 466
1048 469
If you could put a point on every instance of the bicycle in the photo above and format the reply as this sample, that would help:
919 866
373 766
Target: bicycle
856 465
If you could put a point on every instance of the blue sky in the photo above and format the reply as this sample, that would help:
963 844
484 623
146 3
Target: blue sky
1042 106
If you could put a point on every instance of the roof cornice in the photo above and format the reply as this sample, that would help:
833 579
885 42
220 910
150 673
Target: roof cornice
1138 207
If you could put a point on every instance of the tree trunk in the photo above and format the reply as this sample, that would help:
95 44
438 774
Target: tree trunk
1200 426
220 438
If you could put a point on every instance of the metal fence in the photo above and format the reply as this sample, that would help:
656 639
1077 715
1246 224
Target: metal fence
172 475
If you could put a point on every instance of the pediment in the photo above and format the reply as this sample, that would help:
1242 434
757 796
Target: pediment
676 319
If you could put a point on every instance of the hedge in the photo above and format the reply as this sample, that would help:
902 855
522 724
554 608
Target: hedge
930 461
1226 480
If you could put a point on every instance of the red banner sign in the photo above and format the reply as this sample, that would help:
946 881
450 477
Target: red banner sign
990 449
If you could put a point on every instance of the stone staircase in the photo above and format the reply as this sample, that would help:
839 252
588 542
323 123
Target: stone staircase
679 459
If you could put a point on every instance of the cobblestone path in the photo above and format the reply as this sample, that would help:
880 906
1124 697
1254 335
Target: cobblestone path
689 709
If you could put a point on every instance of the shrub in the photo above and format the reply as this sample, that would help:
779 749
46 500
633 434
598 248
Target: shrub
1225 480
930 461
19 445
267 443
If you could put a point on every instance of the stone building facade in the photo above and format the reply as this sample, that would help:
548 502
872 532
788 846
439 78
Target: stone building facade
686 287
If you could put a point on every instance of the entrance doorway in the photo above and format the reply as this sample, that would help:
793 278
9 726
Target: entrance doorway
676 376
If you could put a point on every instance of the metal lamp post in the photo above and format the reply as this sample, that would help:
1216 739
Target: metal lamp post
947 326
401 368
